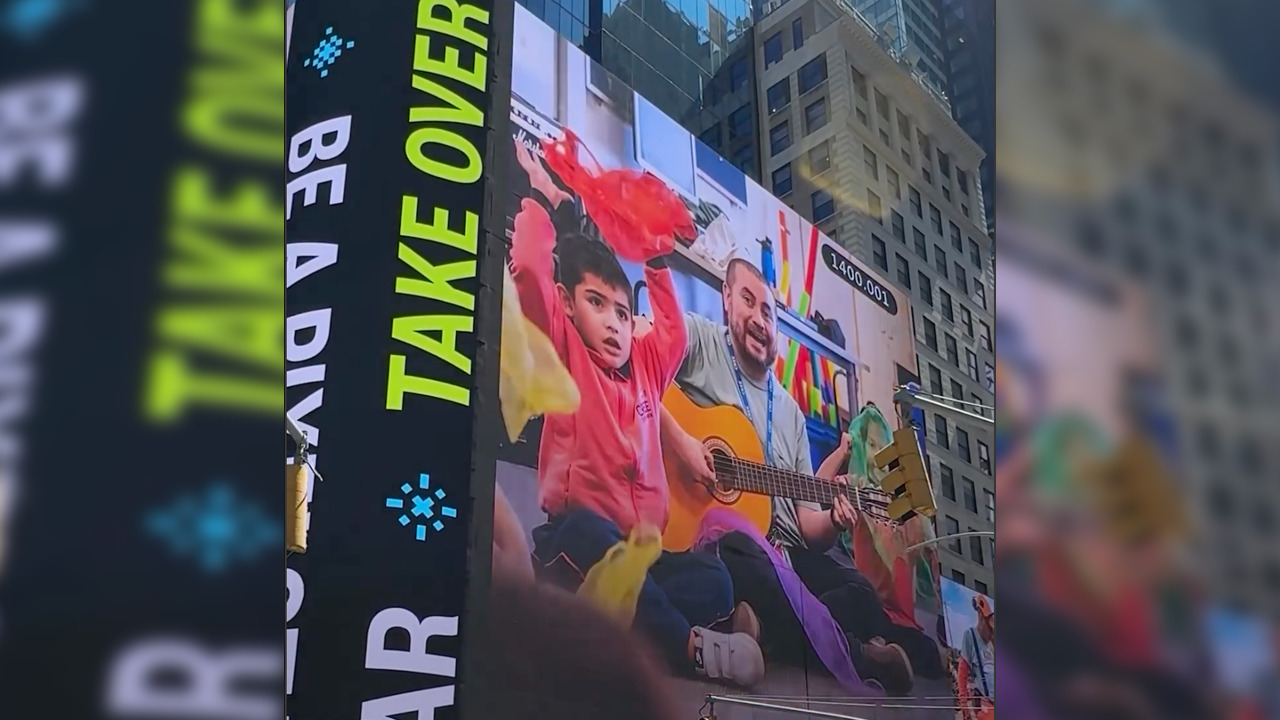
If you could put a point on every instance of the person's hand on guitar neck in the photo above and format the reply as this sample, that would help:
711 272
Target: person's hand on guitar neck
821 528
843 515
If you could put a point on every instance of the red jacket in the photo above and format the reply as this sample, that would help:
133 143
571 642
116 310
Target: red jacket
605 457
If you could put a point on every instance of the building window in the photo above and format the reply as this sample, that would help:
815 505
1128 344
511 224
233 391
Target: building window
925 288
990 499
711 136
957 392
966 320
917 239
879 253
975 254
914 197
976 402
904 127
797 33
940 432
823 205
940 261
740 123
782 180
944 164
975 549
951 526
946 193
899 228
955 237
948 483
981 293
812 74
884 138
773 50
956 575
981 587
859 86
953 352
971 364
882 105
862 116
962 279
948 311
779 137
779 95
962 443
935 379
984 457
820 158
872 163
930 333
874 208
904 271
894 184
962 178
745 159
984 337
935 217
737 75
815 115
970 495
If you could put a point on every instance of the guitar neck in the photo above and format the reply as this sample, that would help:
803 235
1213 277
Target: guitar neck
765 480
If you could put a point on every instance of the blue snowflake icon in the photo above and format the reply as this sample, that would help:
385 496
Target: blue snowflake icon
327 52
29 19
215 528
423 509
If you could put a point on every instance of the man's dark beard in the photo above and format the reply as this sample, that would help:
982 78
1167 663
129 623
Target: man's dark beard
750 366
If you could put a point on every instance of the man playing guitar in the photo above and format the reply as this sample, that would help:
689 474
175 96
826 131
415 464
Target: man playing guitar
733 366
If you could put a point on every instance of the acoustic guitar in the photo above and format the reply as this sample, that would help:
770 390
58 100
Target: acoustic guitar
744 483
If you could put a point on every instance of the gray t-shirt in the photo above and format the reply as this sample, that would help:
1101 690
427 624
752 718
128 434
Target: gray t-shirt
708 378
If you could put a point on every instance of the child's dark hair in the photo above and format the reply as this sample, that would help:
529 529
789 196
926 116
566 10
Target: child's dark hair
580 255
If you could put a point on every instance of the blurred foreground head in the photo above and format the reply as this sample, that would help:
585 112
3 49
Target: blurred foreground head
556 658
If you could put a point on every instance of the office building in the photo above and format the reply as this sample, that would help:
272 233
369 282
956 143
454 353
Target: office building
1177 173
693 61
859 142
969 57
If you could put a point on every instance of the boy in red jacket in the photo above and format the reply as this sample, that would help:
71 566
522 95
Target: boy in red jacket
600 469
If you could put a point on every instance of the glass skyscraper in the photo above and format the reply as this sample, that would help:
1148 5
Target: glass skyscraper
969 27
690 58
912 28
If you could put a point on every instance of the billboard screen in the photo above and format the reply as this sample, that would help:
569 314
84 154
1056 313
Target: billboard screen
969 617
658 302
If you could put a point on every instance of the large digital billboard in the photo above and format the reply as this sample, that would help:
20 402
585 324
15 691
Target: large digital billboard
658 303
970 619
542 338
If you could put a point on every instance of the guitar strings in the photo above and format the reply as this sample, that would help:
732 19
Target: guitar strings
791 484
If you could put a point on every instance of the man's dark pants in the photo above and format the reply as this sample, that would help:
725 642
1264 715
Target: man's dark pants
848 595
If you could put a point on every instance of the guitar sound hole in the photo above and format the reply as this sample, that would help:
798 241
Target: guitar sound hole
724 471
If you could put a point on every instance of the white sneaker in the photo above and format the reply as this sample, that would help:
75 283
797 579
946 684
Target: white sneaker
730 657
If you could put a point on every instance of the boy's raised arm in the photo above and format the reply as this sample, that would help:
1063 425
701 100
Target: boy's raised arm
532 267
664 347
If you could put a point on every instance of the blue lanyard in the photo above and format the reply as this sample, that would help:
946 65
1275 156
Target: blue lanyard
746 405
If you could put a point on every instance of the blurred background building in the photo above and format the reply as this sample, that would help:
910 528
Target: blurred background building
858 137
1139 148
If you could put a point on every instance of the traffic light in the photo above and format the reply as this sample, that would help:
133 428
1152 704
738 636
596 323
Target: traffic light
295 522
1137 500
906 479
